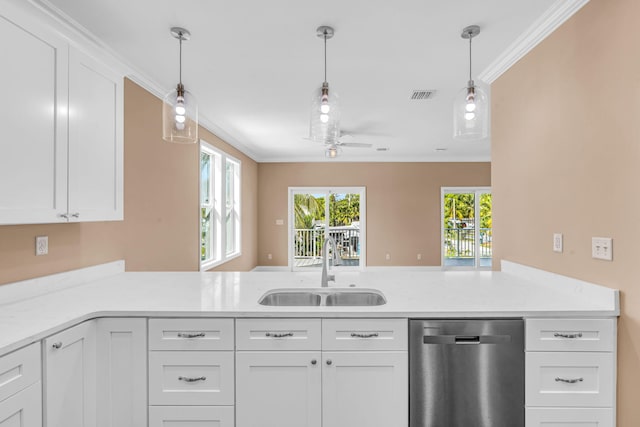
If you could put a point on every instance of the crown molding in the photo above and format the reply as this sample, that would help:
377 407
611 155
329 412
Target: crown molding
555 16
82 38
320 158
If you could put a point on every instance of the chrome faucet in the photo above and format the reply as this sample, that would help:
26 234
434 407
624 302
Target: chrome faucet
325 261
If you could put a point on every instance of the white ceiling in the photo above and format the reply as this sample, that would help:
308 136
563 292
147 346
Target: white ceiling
253 64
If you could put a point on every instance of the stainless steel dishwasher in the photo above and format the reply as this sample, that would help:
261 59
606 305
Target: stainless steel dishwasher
466 373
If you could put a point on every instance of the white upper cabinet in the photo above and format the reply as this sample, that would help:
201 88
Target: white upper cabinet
33 143
61 147
95 140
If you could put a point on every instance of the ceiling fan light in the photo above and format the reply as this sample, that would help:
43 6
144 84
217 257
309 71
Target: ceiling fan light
332 151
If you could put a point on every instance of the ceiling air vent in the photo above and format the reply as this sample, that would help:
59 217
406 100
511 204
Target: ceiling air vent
419 95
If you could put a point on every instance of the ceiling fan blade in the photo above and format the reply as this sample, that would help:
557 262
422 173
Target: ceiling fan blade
346 138
355 144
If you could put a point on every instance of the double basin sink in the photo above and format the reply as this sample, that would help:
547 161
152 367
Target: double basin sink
323 297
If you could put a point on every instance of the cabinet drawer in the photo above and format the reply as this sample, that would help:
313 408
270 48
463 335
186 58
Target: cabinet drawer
191 416
569 379
569 417
190 334
23 409
364 334
278 334
191 378
570 334
19 369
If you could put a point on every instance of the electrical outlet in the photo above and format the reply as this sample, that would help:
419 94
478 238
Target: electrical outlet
269 256
557 242
602 248
279 221
387 257
42 245
419 257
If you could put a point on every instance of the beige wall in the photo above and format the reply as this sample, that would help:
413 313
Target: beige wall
566 149
403 205
162 191
160 230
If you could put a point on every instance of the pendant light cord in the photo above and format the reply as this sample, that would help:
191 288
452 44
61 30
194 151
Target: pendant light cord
325 56
470 38
180 38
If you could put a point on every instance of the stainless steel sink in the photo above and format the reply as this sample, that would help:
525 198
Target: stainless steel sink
290 298
356 298
322 296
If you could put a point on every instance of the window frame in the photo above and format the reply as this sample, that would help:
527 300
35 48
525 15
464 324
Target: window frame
218 203
362 191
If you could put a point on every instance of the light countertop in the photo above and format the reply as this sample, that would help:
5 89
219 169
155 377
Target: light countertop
518 291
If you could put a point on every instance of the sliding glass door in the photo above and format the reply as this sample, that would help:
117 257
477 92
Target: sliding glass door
315 213
466 228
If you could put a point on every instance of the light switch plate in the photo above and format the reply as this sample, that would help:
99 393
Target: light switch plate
602 248
557 242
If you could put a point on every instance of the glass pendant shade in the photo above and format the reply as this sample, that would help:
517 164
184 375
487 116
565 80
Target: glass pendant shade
471 114
180 117
325 116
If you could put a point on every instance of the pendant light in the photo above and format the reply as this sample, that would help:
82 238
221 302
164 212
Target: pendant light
325 111
471 108
179 107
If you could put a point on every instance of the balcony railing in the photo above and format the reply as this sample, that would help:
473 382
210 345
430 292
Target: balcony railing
308 243
460 243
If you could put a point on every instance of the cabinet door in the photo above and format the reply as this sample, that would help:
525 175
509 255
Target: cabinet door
278 389
122 372
365 389
70 377
33 152
23 409
95 140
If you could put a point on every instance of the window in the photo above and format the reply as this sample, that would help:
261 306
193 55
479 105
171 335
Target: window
219 207
314 213
466 228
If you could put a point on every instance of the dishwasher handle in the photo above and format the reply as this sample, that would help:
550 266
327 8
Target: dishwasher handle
466 339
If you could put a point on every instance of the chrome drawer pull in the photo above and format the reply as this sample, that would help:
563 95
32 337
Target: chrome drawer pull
75 215
569 381
355 335
191 335
57 345
192 380
286 334
570 336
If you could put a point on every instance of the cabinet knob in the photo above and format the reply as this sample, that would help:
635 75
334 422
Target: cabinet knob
329 362
57 345
314 361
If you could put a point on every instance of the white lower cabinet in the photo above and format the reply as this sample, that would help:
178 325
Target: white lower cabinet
23 409
569 417
570 372
364 389
278 389
122 372
191 416
310 387
191 373
70 377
